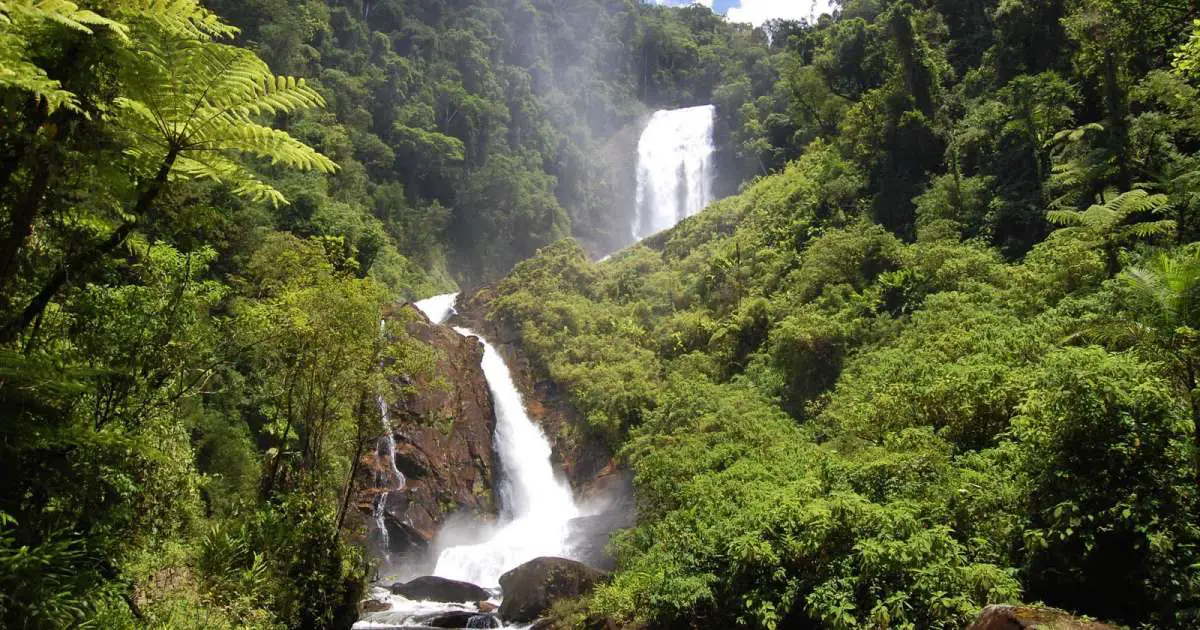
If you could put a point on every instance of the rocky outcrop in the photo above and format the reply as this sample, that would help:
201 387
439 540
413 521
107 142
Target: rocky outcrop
532 588
436 589
372 605
608 502
1029 618
442 424
462 619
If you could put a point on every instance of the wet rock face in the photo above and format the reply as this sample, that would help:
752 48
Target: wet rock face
603 489
1030 618
608 501
436 589
532 588
583 456
372 605
442 426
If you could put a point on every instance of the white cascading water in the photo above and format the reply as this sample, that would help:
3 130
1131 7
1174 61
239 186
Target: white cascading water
675 168
437 308
536 503
391 479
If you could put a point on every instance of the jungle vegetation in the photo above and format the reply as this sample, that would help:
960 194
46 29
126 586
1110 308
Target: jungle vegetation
940 350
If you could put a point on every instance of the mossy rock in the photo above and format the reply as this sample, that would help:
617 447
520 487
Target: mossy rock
532 588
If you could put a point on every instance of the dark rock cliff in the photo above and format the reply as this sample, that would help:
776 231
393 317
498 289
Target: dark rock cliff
443 431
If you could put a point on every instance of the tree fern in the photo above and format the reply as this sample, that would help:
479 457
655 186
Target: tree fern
182 18
197 102
1113 217
20 18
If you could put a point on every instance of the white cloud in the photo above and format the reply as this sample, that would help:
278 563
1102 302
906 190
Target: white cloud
758 11
681 3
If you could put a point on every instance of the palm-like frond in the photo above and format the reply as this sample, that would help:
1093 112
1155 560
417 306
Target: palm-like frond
1078 134
215 167
1111 217
201 100
19 18
182 18
1151 229
1168 288
28 13
17 73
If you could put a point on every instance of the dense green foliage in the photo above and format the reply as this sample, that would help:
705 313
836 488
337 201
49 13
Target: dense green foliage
186 389
487 129
195 252
944 357
943 353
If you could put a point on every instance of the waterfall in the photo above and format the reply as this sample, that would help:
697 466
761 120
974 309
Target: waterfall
388 479
674 171
438 308
536 504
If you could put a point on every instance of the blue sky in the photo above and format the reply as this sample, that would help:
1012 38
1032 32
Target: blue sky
758 11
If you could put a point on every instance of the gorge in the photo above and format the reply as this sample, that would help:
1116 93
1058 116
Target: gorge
536 503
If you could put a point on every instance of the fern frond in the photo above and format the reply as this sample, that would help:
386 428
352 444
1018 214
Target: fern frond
271 144
1148 229
181 18
1138 201
202 100
1099 217
1065 217
17 71
217 168
19 74
62 12
1076 135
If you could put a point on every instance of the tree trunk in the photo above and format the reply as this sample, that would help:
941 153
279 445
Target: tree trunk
356 462
21 226
1115 96
1194 399
84 262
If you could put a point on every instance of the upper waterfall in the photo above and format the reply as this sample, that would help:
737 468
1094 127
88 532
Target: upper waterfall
675 170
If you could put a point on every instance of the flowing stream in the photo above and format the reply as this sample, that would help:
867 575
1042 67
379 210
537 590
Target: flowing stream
675 168
536 503
389 479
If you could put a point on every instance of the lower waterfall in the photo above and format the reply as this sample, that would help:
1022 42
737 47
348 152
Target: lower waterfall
536 503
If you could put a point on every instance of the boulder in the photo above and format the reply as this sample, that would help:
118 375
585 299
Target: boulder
462 619
436 589
368 606
487 607
1029 618
532 588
